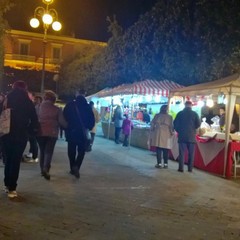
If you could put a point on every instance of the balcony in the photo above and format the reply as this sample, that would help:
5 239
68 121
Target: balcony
31 62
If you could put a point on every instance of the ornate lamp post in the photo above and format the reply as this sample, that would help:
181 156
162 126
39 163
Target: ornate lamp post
49 17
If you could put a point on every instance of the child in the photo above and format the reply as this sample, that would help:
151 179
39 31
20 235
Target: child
126 129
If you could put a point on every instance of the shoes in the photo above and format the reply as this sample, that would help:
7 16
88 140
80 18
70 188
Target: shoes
180 170
12 194
5 189
29 155
158 165
165 165
190 171
46 175
76 172
117 142
32 160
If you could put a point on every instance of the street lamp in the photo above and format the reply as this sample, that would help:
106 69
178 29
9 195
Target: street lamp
49 17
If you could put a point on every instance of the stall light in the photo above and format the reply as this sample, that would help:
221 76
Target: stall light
148 98
139 99
225 101
133 100
117 100
210 103
157 98
200 103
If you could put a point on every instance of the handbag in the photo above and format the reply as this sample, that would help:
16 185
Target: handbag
5 119
87 134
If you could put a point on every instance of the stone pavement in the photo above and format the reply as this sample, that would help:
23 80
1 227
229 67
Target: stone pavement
120 196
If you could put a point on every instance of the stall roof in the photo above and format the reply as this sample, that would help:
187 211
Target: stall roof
151 87
228 86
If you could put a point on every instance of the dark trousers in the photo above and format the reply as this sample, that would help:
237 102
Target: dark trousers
190 147
162 152
117 134
14 148
125 141
46 146
33 146
76 153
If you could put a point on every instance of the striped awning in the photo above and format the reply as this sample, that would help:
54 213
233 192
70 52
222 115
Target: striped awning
152 87
146 87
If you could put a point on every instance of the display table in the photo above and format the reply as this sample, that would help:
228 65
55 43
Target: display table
138 138
209 155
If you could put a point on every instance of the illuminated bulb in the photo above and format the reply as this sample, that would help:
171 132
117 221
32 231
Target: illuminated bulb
56 26
210 103
34 23
200 103
47 19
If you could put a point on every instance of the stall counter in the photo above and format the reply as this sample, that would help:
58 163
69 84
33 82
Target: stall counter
138 138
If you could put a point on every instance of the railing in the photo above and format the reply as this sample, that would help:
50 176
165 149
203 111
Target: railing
20 57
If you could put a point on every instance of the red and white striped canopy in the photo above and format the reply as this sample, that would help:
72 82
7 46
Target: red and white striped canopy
146 87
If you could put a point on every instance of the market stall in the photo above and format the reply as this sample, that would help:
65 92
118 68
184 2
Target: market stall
145 96
214 150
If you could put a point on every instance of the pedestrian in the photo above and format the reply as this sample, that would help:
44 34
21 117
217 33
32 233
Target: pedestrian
93 131
23 120
127 127
161 134
2 153
32 155
186 123
50 119
80 118
118 121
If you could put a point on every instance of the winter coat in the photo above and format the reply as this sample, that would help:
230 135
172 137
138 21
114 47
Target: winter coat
127 126
50 118
161 131
24 119
118 117
186 123
75 132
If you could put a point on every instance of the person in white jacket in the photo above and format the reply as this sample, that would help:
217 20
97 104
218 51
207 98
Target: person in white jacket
161 135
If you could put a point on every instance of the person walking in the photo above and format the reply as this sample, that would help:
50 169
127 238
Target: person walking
161 133
32 155
23 120
93 131
80 118
50 119
186 123
118 121
127 127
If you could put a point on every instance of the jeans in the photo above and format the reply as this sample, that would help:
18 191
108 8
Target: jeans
76 153
125 141
117 134
46 146
14 148
182 148
160 152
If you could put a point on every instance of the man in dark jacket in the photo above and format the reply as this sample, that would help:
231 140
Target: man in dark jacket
23 121
186 123
79 116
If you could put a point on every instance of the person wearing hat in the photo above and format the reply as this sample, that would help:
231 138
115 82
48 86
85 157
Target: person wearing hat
186 123
23 121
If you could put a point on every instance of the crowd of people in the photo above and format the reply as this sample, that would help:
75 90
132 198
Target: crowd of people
38 120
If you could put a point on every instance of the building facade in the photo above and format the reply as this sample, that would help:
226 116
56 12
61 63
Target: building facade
24 50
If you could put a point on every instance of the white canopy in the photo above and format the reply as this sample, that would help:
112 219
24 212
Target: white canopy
229 86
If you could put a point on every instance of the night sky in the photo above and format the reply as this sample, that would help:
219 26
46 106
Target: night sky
84 18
